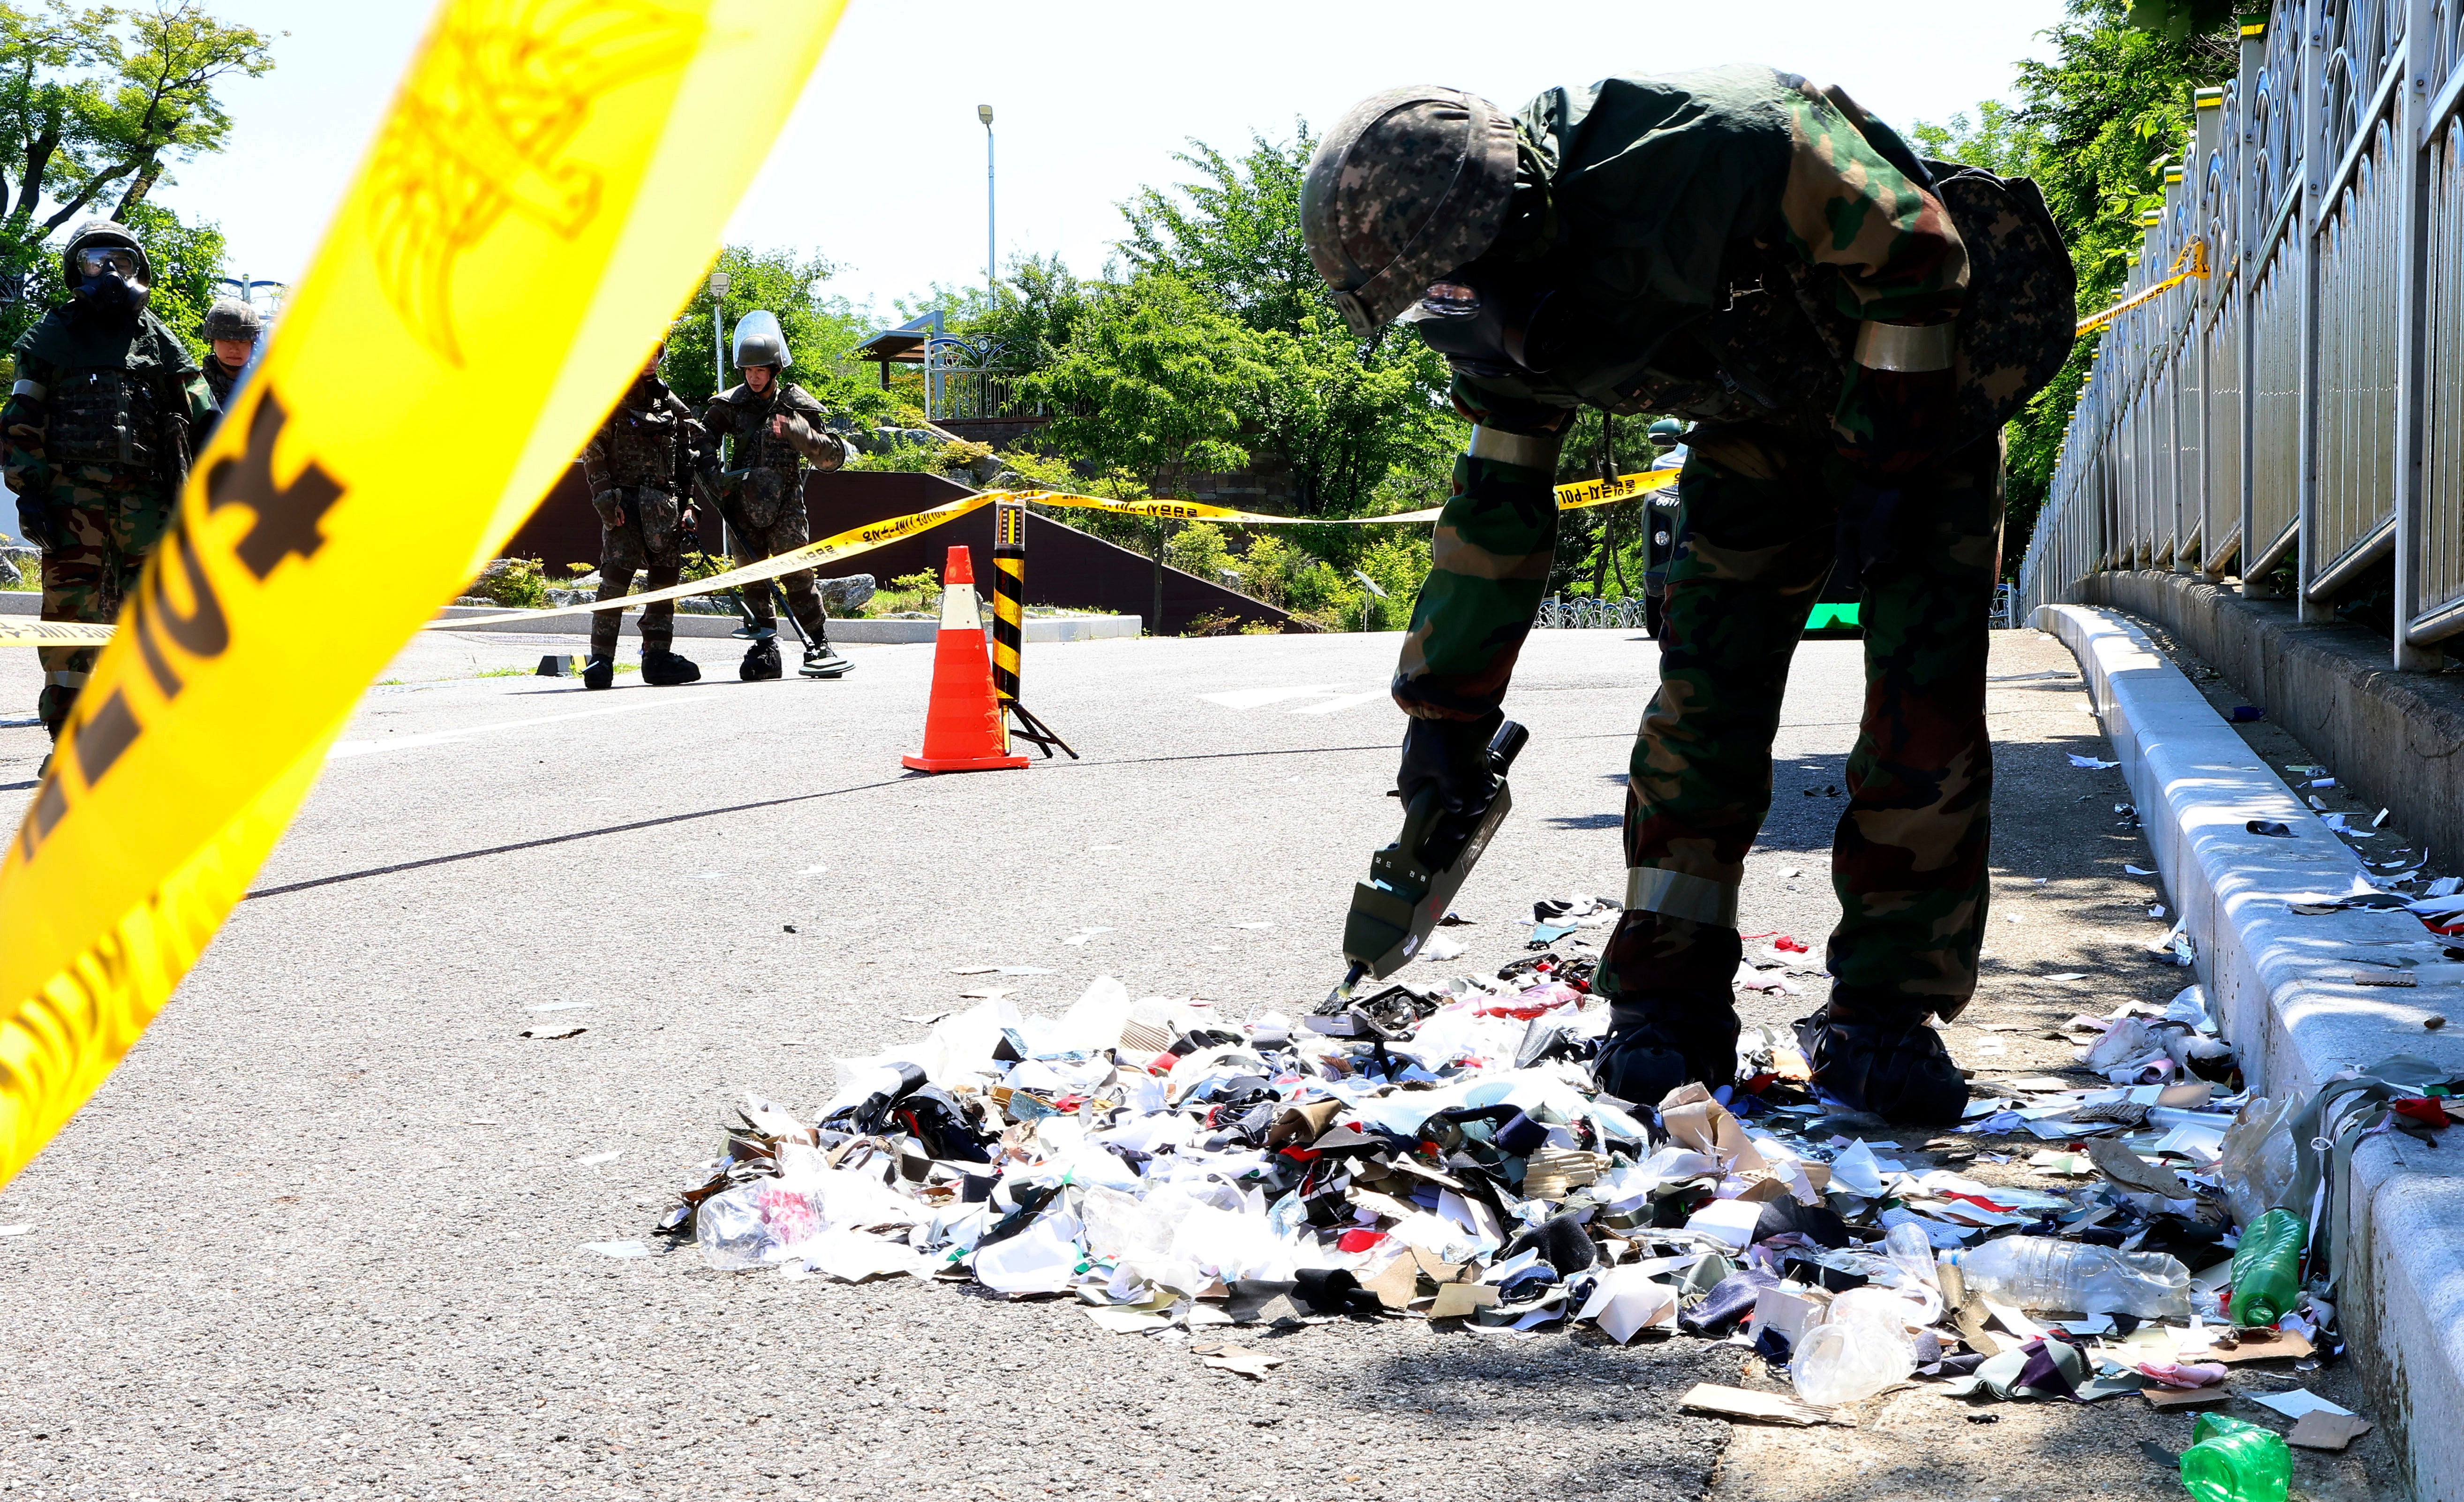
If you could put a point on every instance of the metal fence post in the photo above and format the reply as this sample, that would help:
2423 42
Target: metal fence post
2251 217
2412 325
2309 126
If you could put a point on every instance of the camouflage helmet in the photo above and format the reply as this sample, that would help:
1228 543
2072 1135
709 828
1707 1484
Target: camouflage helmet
229 317
759 341
1667 432
95 234
1408 185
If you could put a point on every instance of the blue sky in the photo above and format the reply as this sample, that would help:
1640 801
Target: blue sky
882 165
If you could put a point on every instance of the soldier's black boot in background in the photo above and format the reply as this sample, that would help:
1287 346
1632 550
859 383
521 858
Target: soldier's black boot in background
663 667
1672 1015
821 661
1879 1055
598 672
760 661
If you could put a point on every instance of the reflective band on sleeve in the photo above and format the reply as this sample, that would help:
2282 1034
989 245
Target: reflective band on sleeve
1650 890
65 680
34 389
1905 346
1531 450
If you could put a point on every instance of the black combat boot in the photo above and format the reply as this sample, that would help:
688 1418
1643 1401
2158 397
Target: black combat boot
1672 1016
598 672
822 662
760 661
662 668
1883 1058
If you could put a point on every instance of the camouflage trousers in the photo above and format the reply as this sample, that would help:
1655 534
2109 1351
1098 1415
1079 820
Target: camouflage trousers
1758 537
789 532
90 562
649 540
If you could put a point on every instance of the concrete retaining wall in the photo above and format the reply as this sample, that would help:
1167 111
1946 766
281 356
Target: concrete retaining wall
2397 738
2280 986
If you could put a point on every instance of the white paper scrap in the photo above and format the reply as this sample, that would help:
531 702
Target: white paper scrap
617 1248
2297 1402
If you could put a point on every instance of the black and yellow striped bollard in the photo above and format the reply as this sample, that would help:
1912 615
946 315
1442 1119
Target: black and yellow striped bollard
1009 626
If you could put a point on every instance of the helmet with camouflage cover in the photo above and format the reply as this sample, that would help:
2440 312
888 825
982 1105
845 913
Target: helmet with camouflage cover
229 317
1410 184
759 341
103 263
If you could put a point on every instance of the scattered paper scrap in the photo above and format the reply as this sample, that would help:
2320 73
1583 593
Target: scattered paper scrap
1239 1358
2299 1400
1744 1402
617 1248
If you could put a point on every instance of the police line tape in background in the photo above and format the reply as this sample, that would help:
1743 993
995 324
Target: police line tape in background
542 197
53 633
880 534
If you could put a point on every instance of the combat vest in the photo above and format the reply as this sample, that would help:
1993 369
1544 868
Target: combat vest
640 445
114 398
770 469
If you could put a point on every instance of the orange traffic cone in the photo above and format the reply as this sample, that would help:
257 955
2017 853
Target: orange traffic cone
962 727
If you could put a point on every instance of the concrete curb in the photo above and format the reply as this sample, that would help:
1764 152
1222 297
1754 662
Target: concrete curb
2280 984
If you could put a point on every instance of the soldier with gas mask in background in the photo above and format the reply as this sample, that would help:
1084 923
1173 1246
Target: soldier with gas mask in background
1847 328
233 328
770 428
640 466
104 418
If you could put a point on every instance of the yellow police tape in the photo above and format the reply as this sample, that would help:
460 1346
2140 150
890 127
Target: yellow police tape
544 191
53 633
2195 253
878 534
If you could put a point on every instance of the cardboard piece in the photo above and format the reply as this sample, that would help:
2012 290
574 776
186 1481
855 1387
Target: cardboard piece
2285 1345
1455 1300
1693 1120
2131 1171
1741 1403
2322 1431
1254 1364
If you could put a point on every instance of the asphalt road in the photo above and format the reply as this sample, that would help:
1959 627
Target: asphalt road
321 1234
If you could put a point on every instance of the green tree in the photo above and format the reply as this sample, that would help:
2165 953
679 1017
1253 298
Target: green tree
96 95
1155 385
1346 416
1234 232
2097 126
822 331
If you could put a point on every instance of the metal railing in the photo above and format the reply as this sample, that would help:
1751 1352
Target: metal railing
2303 401
1582 612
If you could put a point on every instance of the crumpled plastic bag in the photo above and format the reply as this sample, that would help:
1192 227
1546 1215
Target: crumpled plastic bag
2255 1163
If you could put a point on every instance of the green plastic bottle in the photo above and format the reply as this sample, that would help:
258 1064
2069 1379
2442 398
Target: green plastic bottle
2230 1461
2267 1269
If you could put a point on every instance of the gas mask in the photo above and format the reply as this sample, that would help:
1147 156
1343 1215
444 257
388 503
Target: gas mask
110 276
1496 323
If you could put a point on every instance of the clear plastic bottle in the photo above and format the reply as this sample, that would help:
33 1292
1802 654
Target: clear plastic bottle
2230 1461
2267 1269
2041 1273
1860 1349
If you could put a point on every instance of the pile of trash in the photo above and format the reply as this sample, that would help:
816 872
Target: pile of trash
1440 1153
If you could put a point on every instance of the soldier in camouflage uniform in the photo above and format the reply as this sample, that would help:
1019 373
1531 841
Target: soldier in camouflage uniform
233 328
101 425
1753 253
771 428
640 465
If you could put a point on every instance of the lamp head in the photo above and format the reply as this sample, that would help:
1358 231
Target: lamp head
984 113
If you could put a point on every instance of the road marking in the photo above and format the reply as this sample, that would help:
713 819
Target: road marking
1347 702
1258 698
343 748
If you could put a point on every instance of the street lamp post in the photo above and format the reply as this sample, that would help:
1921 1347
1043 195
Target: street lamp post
984 113
719 282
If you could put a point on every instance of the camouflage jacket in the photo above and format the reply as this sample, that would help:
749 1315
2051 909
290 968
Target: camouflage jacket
650 439
742 420
1721 233
81 374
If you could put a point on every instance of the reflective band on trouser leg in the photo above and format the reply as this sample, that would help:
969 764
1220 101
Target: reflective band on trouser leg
1531 450
1009 598
1650 890
66 680
1912 348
